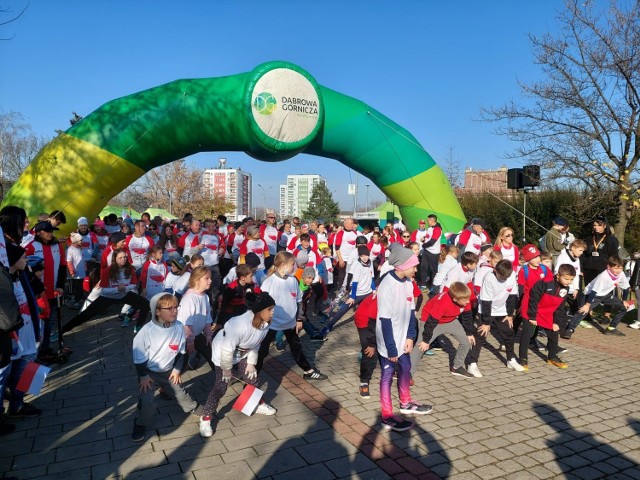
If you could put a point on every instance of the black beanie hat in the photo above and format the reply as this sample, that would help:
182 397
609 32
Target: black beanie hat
260 302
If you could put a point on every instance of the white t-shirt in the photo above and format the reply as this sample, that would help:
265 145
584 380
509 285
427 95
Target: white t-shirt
363 275
498 293
287 295
195 311
395 301
565 259
158 346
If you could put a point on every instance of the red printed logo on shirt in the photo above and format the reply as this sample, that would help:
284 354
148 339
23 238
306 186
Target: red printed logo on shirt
273 237
351 242
257 251
157 278
477 245
293 294
410 299
173 346
139 251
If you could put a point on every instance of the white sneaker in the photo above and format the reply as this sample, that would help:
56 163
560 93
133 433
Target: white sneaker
265 409
514 365
585 324
474 370
205 427
635 325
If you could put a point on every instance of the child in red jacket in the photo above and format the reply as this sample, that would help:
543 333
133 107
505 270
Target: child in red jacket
545 310
450 313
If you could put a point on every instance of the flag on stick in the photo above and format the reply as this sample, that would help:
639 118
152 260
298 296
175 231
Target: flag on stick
33 378
248 400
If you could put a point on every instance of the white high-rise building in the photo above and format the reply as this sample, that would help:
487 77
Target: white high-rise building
233 185
295 195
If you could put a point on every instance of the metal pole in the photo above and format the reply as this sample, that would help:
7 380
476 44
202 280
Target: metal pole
367 205
524 219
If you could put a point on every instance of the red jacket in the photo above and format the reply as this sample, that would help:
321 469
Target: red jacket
442 309
545 300
527 278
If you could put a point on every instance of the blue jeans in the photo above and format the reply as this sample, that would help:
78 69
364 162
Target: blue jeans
342 310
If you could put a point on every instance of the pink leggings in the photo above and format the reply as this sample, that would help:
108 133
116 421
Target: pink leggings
403 367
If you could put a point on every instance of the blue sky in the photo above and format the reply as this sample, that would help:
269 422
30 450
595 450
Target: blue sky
428 65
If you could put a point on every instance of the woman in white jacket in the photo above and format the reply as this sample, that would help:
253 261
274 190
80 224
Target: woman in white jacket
238 343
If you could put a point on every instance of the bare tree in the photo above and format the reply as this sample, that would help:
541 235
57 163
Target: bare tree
582 122
175 187
12 18
18 145
452 170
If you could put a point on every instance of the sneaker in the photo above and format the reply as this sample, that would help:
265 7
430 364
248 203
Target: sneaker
461 372
126 320
635 325
318 338
138 433
364 390
525 365
53 337
265 409
567 334
557 362
397 424
437 347
205 426
604 321
280 346
614 331
474 370
585 324
416 408
314 375
27 410
560 350
514 365
430 352
502 348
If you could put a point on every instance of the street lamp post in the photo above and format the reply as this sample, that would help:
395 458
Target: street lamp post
367 197
264 197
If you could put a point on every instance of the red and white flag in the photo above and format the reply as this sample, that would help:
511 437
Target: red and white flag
248 400
33 378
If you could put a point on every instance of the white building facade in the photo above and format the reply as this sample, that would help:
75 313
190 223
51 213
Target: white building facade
232 184
295 195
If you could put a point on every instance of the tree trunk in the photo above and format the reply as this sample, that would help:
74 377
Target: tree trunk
624 213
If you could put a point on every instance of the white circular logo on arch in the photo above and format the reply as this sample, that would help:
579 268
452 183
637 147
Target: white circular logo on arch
285 105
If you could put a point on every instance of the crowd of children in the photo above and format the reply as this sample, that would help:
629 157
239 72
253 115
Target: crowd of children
224 293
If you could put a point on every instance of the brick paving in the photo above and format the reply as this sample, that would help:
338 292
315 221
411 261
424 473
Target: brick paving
582 423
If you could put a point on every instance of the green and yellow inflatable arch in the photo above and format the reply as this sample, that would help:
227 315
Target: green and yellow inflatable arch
272 113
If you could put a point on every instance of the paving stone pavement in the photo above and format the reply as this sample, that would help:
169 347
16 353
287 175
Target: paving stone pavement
578 423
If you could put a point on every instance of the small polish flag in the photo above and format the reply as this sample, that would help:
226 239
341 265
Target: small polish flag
33 378
248 400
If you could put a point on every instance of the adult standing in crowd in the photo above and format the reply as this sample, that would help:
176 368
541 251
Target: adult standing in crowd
345 245
430 251
504 244
601 245
473 237
555 240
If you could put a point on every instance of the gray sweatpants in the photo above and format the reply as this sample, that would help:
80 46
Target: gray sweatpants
146 402
456 331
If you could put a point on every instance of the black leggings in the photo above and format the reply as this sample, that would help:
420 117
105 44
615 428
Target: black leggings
294 345
368 339
102 303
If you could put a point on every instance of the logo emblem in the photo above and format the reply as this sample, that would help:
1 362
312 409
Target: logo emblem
265 103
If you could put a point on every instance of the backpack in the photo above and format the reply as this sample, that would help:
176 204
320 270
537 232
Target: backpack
526 270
